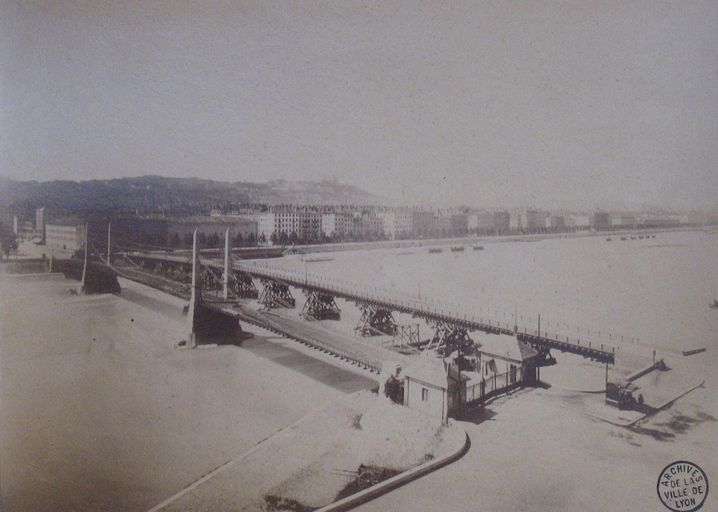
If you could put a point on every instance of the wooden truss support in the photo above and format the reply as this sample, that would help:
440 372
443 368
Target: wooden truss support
242 286
276 294
375 321
449 337
320 306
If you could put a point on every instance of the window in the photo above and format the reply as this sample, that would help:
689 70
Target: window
424 394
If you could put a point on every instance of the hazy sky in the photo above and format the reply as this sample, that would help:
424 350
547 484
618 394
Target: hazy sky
485 103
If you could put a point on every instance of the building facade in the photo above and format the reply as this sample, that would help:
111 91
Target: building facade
557 222
336 225
67 236
502 221
289 224
535 220
422 223
397 223
601 221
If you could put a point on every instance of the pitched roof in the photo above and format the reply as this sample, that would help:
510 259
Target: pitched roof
504 346
430 370
527 351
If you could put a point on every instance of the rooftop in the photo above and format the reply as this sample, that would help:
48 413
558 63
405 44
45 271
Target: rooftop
428 369
505 346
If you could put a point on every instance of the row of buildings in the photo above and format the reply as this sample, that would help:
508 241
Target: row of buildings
288 224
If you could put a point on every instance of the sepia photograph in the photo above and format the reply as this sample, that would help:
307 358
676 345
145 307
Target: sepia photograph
320 256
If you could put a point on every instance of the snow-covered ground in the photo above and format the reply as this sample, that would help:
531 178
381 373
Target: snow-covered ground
309 462
101 412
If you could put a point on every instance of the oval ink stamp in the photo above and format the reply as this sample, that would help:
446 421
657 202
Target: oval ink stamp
682 486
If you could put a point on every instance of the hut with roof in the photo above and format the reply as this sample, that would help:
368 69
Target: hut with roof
504 354
434 387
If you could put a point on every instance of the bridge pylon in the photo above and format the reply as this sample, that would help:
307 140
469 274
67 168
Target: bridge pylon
207 323
109 247
83 281
195 293
227 264
320 306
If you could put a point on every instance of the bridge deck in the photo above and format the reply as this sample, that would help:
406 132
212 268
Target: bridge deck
416 307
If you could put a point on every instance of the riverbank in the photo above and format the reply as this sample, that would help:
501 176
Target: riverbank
538 449
471 240
102 412
307 465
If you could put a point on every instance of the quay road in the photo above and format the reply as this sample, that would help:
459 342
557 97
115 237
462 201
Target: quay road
340 345
429 310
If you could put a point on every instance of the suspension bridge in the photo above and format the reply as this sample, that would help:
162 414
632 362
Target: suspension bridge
214 283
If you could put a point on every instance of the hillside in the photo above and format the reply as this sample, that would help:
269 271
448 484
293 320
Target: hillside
157 192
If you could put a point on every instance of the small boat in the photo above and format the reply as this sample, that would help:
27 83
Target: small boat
434 250
633 238
608 239
457 248
478 247
640 238
714 305
623 238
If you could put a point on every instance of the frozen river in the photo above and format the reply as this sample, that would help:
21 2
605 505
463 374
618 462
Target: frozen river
655 291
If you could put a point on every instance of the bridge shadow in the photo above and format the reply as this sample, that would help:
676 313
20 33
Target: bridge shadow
476 415
481 413
280 351
151 303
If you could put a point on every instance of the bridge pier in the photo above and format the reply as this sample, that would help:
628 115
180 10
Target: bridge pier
243 286
173 271
449 337
320 306
276 294
211 281
407 335
375 321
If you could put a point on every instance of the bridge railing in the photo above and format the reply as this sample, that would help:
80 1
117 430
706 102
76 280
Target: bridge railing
423 306
589 341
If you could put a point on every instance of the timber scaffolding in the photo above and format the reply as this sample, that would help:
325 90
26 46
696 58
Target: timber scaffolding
434 313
